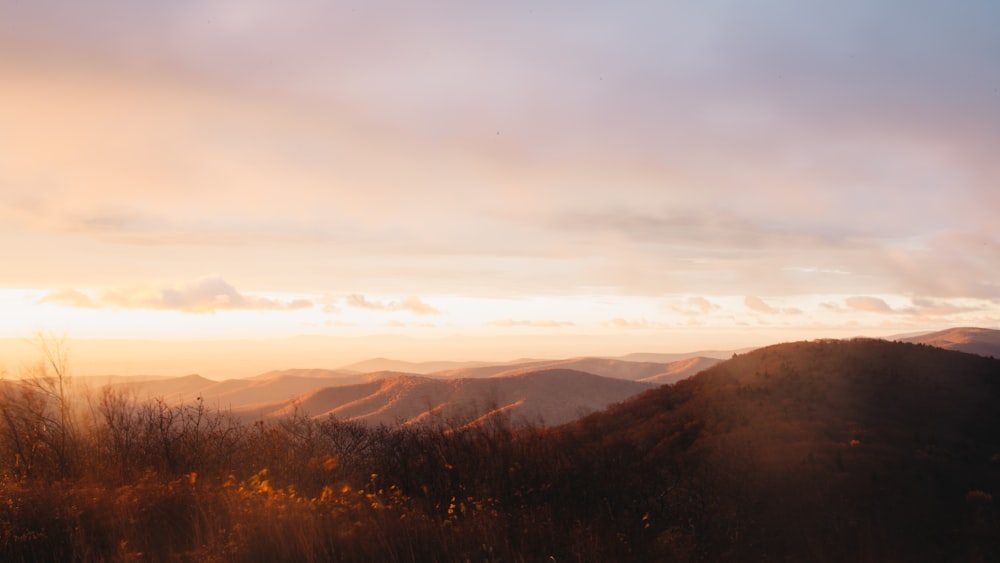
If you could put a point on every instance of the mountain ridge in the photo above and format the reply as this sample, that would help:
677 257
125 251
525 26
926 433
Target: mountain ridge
902 438
973 340
546 397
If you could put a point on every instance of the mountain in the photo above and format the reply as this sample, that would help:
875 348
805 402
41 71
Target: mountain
546 397
618 369
181 389
492 370
386 364
981 341
598 366
309 372
653 372
669 357
240 393
862 450
323 391
681 369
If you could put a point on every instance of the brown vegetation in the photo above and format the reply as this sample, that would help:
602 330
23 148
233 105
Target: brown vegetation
822 451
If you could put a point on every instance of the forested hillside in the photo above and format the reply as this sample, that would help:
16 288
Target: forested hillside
814 451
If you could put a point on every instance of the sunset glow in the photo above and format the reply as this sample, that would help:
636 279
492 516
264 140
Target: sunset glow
493 182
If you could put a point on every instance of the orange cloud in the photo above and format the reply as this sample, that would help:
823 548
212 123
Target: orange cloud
412 304
619 322
758 304
695 306
868 304
702 304
530 323
70 298
205 296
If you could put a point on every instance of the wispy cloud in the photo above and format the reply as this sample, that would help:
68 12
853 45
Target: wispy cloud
868 304
920 311
70 298
702 304
530 323
253 139
935 307
757 304
204 296
619 322
412 304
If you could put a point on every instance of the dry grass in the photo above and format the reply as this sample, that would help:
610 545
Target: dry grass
860 451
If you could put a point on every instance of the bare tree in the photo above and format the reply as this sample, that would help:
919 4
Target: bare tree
36 413
53 380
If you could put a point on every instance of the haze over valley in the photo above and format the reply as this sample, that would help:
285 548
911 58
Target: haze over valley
384 391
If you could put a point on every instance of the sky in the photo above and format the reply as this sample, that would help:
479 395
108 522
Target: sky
656 175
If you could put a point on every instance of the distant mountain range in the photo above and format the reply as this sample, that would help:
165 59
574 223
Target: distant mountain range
546 392
487 369
545 397
658 372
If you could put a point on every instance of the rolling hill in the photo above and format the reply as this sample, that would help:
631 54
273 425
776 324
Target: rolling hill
681 369
408 396
981 341
239 393
545 397
862 450
421 368
654 372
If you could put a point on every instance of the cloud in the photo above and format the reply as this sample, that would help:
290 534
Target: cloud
955 264
205 296
702 304
932 307
757 304
868 304
70 298
412 304
819 114
694 306
329 304
530 323
921 308
619 322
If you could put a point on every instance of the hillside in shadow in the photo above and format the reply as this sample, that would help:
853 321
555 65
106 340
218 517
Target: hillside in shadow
860 450
830 450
